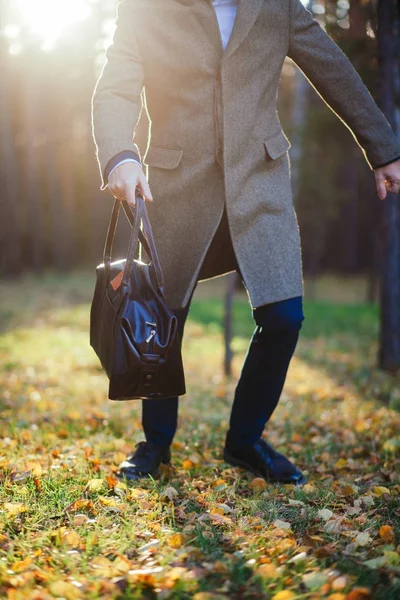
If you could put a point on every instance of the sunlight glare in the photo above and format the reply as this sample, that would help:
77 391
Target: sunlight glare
50 18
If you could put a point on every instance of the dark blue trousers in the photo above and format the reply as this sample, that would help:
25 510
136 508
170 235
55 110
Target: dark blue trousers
265 366
261 380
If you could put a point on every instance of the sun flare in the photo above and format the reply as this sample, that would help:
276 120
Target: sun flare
49 19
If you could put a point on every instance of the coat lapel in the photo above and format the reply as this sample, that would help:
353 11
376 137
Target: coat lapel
247 13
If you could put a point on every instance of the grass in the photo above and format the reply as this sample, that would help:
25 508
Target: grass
204 530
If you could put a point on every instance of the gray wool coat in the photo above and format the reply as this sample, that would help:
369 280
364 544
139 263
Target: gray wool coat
216 140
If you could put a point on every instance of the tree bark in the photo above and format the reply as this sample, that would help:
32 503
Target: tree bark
388 36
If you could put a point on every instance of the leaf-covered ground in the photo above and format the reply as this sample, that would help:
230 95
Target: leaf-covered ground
205 530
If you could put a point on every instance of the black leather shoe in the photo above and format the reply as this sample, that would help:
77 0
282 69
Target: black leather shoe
264 461
144 461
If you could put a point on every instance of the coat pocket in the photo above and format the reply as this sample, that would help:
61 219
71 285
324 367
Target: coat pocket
277 144
164 157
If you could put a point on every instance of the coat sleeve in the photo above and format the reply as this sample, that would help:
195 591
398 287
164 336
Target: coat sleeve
335 79
116 102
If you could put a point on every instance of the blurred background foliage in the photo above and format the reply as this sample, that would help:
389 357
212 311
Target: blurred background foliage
52 210
53 214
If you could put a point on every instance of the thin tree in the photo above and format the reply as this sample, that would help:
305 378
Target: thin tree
388 37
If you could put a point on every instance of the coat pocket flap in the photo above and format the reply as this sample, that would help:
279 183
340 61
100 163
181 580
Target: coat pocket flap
277 144
163 156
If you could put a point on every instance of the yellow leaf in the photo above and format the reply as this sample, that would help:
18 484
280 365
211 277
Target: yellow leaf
14 508
219 482
217 510
267 570
337 596
122 564
35 468
386 532
105 501
340 464
65 589
71 538
176 540
380 490
258 484
308 488
283 595
95 485
21 565
187 464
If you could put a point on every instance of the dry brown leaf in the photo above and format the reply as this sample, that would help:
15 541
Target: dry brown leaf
71 538
267 570
386 533
65 589
258 484
81 504
35 468
359 593
221 520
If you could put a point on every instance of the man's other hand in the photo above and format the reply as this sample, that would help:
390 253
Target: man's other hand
124 180
388 179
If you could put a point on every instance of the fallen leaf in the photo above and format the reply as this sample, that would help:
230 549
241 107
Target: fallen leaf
325 514
95 485
14 508
176 540
267 570
386 533
380 490
282 524
65 589
363 539
258 484
283 595
313 581
169 493
359 593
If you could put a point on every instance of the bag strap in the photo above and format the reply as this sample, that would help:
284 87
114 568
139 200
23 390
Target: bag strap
134 215
112 226
149 243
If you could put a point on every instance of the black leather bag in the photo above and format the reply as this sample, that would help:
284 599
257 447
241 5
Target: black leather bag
132 330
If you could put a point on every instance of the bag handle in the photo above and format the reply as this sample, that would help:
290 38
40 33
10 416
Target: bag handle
134 216
147 238
111 233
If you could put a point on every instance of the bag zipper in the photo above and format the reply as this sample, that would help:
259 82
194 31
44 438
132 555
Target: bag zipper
150 338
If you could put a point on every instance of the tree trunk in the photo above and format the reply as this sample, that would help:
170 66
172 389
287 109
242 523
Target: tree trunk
229 297
389 61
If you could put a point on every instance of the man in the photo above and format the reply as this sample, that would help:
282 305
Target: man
207 72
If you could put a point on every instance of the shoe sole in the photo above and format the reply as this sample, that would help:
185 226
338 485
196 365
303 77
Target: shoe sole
145 475
270 478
